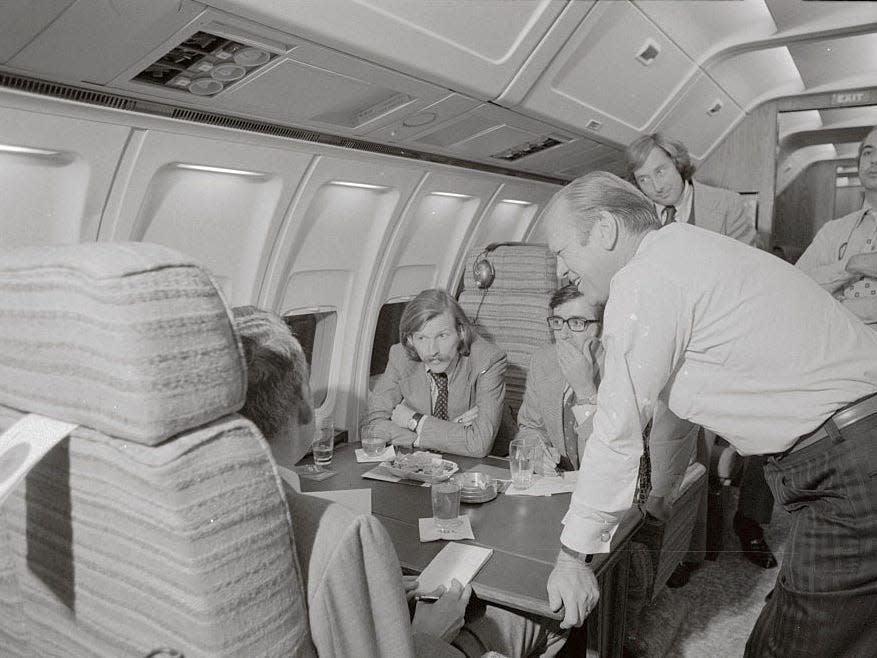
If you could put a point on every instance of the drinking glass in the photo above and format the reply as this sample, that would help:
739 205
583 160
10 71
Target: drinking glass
373 445
521 462
324 440
446 505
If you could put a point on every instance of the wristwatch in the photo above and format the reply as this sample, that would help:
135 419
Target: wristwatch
413 421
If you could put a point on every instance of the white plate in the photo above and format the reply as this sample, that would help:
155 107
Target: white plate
448 469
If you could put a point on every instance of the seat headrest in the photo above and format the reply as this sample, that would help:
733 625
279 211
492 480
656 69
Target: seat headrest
131 339
520 268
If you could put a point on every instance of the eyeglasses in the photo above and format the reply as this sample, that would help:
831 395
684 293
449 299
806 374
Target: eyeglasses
575 323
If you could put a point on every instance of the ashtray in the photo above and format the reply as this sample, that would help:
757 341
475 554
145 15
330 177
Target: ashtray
476 487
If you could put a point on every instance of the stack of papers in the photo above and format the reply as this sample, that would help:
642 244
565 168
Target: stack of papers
381 473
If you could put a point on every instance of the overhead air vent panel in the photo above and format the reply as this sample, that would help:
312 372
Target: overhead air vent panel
528 148
205 64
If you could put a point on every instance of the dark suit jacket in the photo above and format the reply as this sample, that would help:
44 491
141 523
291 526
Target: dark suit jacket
477 379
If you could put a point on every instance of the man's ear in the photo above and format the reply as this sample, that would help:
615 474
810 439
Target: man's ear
607 229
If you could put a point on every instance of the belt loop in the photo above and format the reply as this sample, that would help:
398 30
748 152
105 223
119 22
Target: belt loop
832 431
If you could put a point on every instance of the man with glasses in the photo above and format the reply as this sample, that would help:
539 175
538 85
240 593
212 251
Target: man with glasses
843 256
561 392
561 397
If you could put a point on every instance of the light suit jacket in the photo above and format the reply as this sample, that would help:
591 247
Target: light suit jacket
722 211
356 601
477 379
671 441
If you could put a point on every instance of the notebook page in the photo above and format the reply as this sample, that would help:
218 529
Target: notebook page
460 561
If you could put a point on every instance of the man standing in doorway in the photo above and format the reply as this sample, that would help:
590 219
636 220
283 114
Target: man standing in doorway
843 256
662 170
736 341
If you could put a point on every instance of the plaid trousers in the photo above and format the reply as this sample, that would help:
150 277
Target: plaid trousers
825 599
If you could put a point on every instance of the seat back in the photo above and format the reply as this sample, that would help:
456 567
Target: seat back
511 313
160 521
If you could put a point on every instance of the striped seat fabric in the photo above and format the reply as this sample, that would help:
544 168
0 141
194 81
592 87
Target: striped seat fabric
160 521
511 313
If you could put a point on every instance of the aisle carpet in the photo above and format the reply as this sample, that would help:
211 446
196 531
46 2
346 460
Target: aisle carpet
713 614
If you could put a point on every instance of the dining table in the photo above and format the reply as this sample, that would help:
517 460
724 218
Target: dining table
523 531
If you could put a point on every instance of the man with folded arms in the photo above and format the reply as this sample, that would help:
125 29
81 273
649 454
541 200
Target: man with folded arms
752 349
843 256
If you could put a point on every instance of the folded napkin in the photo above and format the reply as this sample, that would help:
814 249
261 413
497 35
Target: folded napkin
547 485
388 454
429 531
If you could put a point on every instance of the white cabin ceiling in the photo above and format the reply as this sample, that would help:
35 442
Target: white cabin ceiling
476 80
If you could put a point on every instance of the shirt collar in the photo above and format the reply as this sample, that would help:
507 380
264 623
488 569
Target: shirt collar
683 207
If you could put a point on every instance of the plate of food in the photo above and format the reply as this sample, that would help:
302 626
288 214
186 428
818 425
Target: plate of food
421 466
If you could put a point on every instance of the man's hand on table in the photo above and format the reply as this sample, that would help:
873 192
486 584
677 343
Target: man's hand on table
445 617
573 586
402 413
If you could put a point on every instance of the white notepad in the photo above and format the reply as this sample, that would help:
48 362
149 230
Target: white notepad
460 561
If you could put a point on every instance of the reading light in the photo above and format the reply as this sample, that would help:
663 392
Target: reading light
221 170
453 195
27 150
364 186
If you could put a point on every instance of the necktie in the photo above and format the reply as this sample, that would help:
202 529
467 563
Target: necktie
644 486
440 406
669 215
570 436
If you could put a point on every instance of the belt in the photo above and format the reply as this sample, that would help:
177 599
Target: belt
846 416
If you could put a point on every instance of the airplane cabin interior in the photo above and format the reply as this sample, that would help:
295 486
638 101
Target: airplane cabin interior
327 160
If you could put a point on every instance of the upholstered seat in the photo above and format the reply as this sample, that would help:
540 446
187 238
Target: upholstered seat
160 521
511 313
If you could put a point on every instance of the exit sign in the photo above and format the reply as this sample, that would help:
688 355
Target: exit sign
851 98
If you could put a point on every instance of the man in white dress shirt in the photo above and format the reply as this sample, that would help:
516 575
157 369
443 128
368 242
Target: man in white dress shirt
752 349
843 256
662 169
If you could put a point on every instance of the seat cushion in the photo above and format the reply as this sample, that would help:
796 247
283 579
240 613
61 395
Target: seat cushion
132 339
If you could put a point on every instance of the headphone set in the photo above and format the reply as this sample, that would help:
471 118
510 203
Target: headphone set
482 268
483 272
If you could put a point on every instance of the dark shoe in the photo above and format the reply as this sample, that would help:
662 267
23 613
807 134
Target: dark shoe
752 542
679 577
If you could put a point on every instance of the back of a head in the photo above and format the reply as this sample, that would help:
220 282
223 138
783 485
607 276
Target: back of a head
278 392
579 204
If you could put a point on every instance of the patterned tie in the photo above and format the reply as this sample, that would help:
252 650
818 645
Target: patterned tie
570 436
669 215
644 486
440 407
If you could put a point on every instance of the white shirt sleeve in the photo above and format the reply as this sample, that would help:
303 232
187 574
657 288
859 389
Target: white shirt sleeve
644 336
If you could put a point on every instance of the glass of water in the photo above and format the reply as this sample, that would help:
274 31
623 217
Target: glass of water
521 463
446 505
323 443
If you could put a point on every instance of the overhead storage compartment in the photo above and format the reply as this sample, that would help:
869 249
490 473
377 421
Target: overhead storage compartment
93 41
473 47
612 75
703 115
